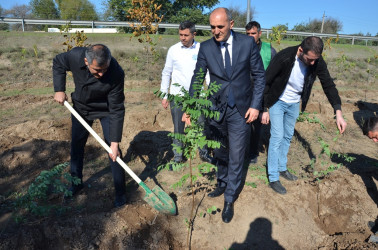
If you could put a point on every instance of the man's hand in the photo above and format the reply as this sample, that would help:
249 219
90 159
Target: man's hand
251 115
60 97
165 103
341 123
186 118
265 118
114 148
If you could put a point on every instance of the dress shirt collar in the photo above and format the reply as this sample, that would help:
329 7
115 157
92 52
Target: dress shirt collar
191 47
229 40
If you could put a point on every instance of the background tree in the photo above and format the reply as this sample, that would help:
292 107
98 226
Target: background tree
44 9
3 26
174 11
117 10
77 10
240 17
19 11
331 26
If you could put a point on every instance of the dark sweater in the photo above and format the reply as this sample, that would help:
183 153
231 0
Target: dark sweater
93 98
278 73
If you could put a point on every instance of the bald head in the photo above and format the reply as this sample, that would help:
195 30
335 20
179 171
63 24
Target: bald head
221 24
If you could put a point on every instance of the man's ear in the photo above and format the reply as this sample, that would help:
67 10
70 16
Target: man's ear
194 33
300 50
231 24
86 61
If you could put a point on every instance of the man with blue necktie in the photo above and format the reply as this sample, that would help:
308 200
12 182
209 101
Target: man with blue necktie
231 59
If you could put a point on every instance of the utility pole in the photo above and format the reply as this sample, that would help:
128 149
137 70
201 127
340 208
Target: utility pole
321 30
248 11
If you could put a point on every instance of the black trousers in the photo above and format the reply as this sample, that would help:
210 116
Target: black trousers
233 133
79 139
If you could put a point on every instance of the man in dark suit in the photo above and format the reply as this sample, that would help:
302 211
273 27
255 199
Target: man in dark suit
231 58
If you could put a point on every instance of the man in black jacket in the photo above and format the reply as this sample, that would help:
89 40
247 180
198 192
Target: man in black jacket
289 79
99 94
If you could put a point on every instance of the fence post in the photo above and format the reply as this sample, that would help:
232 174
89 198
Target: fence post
92 26
352 40
23 25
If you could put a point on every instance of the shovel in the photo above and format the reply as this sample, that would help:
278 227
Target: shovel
156 197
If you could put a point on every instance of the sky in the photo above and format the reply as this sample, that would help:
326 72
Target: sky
356 16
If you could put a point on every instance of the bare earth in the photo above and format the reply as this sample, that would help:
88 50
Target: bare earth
335 212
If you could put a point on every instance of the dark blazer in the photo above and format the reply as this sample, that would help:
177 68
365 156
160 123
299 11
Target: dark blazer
246 62
278 73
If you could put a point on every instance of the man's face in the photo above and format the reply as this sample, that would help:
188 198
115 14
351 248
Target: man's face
96 70
253 32
186 37
220 26
373 135
308 59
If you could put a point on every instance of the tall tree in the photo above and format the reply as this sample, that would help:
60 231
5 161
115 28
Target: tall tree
3 26
77 10
46 9
171 9
19 11
240 17
331 26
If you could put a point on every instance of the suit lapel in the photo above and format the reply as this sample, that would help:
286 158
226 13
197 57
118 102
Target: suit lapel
217 53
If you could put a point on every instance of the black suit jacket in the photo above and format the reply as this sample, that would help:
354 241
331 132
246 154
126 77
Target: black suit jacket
246 62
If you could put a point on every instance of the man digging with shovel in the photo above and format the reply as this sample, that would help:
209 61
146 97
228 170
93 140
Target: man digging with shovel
98 94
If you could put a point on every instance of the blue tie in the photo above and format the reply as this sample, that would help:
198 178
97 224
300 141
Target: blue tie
228 68
227 61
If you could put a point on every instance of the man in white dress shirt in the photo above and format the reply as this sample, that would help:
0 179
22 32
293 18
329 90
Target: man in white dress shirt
179 66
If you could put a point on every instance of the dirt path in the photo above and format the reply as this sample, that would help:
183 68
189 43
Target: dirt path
331 213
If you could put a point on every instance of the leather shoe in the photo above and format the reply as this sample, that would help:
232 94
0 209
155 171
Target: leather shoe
217 192
228 212
277 186
206 157
120 201
288 176
253 159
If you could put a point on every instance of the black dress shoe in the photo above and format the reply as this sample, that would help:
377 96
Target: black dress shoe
253 159
206 157
120 201
228 212
288 176
277 186
217 192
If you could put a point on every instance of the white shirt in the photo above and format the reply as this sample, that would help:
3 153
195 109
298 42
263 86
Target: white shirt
294 86
179 67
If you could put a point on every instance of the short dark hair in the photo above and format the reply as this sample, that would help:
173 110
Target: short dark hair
188 25
371 124
312 43
252 24
99 52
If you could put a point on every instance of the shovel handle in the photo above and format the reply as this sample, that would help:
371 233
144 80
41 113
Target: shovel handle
101 141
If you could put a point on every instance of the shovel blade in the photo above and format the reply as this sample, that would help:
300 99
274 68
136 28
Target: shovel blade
159 200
